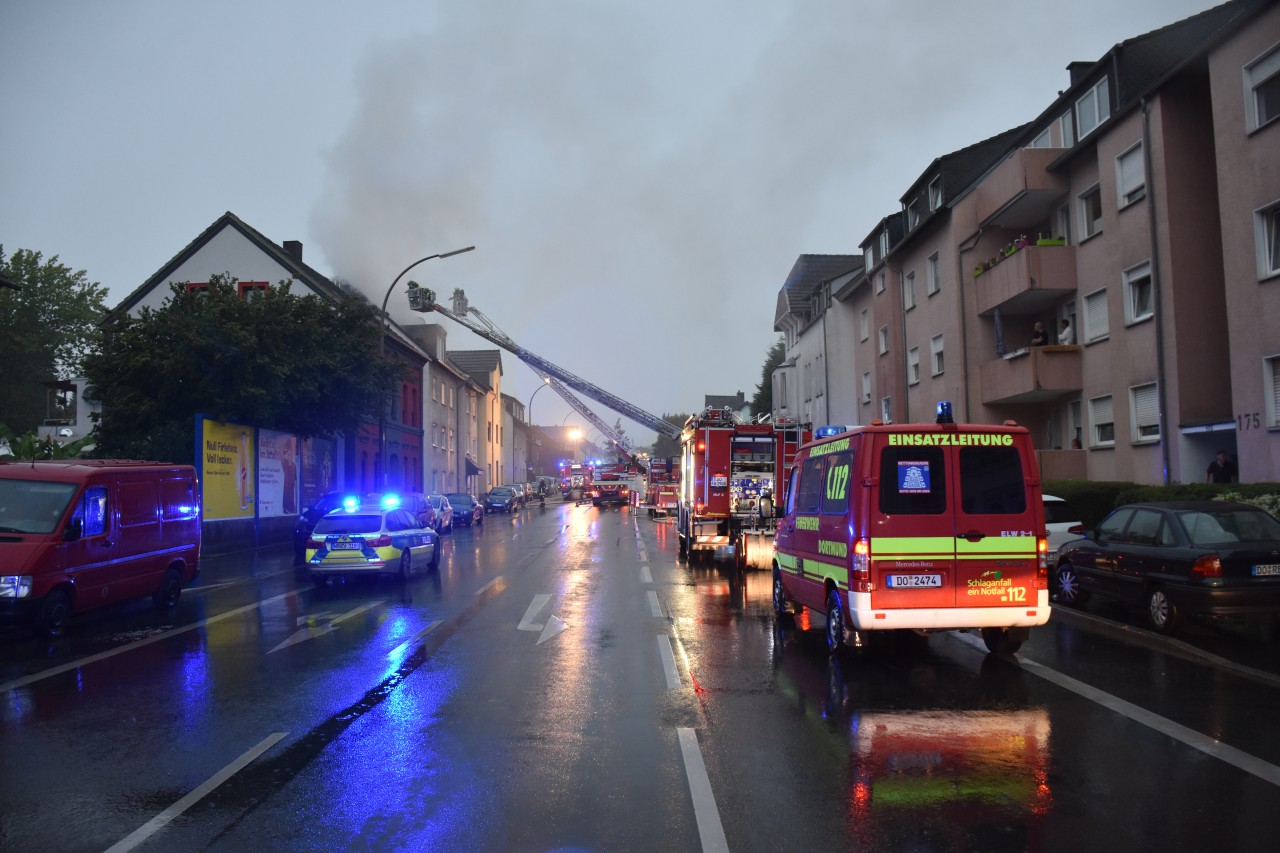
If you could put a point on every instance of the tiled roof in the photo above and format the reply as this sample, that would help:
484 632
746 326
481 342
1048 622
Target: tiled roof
479 364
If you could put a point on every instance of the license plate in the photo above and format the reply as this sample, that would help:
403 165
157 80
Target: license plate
914 581
1266 569
346 546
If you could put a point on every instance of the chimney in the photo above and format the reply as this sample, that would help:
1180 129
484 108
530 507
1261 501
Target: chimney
294 249
1078 70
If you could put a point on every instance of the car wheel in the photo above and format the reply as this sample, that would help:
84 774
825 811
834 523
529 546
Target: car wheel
434 563
51 621
836 632
781 606
1161 612
1068 586
166 597
998 641
406 564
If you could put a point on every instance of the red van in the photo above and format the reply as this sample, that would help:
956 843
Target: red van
78 534
922 527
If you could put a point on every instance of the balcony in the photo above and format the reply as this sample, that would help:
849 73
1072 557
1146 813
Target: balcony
1030 281
1034 375
1021 193
1062 465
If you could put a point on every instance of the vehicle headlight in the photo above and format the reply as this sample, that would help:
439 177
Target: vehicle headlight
15 586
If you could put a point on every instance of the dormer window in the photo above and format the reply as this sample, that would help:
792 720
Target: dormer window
935 193
1092 109
913 214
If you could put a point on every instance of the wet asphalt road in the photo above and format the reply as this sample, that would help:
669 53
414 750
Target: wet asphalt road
564 683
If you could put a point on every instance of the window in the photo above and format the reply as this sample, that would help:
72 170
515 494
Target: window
864 324
884 243
251 290
886 409
435 436
812 482
883 340
1064 223
935 193
1271 389
1067 126
913 481
200 287
1090 212
835 499
1131 183
936 362
913 214
866 386
1145 405
1262 90
992 481
909 291
1266 226
1102 427
1095 317
1138 293
869 259
880 282
932 275
1042 140
913 366
1092 108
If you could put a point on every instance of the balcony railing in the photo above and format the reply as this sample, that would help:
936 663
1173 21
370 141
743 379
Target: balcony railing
1021 192
1034 375
1027 281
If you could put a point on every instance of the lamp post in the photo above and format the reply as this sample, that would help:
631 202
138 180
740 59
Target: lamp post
528 418
382 353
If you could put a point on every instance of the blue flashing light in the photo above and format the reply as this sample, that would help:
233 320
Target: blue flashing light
829 430
390 501
944 412
350 503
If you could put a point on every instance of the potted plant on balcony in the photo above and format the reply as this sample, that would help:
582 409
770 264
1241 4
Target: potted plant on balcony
1046 240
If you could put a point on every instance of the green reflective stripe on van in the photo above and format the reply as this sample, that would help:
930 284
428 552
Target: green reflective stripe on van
816 568
911 547
996 546
786 561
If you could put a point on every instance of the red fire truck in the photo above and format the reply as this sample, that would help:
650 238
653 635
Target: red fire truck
730 472
663 487
575 479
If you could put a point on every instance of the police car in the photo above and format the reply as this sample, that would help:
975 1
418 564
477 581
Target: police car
364 539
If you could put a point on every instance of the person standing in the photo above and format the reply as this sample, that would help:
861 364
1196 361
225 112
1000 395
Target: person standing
1066 335
1039 335
1221 469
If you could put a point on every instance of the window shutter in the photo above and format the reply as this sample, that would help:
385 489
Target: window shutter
1130 173
1102 410
1145 407
1274 363
1095 315
1264 68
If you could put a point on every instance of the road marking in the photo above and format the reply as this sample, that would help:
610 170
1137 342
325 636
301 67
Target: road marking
76 664
710 830
319 624
668 662
646 576
484 588
158 822
1192 738
535 606
554 626
194 589
654 607
403 647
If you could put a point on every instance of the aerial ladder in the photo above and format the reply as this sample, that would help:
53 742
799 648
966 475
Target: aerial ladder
423 300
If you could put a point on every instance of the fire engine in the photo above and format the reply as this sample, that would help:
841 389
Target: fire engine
663 485
729 474
575 478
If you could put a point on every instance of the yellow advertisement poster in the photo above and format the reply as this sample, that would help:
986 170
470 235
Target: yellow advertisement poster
229 470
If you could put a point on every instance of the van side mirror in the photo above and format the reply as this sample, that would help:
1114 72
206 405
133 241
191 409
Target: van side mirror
75 529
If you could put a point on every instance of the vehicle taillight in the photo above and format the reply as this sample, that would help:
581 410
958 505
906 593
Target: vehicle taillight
1042 563
383 541
698 508
860 569
1208 566
315 544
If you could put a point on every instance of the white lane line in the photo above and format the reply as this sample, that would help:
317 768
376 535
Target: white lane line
646 576
710 830
400 649
535 606
489 584
654 607
668 662
164 635
158 822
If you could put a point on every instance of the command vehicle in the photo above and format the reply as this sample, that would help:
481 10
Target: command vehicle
729 472
916 526
79 534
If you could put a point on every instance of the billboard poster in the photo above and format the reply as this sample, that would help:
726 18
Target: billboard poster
228 470
319 469
277 474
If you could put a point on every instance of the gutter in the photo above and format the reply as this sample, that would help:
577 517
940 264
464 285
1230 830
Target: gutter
1161 387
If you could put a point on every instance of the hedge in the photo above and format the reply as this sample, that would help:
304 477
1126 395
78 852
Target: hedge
1093 500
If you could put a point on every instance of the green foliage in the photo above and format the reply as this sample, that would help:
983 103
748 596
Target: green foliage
31 447
762 402
298 364
49 325
1094 500
1091 500
665 446
1269 500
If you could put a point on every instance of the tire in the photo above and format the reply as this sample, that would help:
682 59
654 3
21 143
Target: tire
406 564
1067 584
166 597
781 606
434 563
835 631
998 641
1162 614
51 620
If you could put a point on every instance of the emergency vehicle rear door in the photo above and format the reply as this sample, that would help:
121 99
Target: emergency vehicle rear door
912 531
995 528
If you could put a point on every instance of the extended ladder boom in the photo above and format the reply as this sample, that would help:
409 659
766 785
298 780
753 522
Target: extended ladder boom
424 299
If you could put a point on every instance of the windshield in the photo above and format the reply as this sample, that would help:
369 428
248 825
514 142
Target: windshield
33 506
460 500
501 492
1211 527
349 523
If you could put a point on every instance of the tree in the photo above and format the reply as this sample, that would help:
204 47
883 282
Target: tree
49 325
762 402
31 447
665 446
298 364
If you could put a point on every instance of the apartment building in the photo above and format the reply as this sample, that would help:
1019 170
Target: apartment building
1137 214
484 420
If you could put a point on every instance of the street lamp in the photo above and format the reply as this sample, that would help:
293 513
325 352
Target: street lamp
382 353
528 419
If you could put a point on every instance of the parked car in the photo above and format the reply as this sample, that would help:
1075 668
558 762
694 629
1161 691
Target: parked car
466 509
444 512
1176 557
1063 524
370 539
501 499
310 516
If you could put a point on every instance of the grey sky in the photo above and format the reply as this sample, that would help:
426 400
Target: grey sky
638 178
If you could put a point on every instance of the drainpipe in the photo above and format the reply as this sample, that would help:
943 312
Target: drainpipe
966 245
1161 395
902 312
826 368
